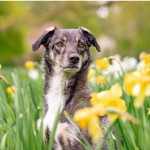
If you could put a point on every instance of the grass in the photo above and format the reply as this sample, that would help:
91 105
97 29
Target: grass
19 116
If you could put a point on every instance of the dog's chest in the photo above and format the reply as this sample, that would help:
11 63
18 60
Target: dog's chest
54 98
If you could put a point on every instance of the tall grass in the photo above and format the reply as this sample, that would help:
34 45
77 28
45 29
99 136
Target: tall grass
19 115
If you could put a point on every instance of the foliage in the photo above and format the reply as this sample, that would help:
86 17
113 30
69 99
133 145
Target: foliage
18 116
18 18
127 24
22 106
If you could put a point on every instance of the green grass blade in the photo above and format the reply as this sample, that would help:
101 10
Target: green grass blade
10 133
117 134
54 128
32 96
72 135
76 127
84 105
106 129
105 136
3 142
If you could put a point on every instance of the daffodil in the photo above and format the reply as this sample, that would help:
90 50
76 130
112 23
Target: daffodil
10 90
0 66
91 74
29 65
94 99
146 58
148 111
102 63
100 79
90 117
110 98
138 85
146 69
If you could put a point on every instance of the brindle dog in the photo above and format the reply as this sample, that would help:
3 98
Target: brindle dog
66 60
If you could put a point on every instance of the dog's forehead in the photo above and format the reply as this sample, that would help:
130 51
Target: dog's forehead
69 33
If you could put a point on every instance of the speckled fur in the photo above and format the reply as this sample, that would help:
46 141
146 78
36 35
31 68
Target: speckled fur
76 90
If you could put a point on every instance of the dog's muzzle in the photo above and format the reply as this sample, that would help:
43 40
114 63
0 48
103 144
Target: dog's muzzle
73 63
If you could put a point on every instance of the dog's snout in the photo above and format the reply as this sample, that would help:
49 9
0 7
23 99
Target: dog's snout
74 58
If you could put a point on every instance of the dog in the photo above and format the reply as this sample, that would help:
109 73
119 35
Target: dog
66 60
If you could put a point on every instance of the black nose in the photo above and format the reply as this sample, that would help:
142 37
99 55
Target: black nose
74 58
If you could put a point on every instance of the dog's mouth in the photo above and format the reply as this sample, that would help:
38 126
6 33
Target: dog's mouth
71 69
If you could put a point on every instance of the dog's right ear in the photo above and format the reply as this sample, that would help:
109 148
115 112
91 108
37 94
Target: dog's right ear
44 39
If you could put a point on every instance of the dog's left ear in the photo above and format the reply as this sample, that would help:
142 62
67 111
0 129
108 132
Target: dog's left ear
44 39
91 40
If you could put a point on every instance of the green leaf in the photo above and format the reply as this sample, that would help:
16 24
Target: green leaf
76 138
117 134
3 141
105 136
32 96
76 127
84 105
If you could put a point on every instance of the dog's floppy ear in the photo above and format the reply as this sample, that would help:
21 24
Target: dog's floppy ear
91 40
45 38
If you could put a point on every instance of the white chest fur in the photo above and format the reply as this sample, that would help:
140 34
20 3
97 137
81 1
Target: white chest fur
54 98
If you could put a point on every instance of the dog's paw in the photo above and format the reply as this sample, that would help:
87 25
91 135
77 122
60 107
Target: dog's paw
60 131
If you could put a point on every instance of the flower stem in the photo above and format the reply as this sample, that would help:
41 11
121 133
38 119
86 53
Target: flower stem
113 58
5 80
105 136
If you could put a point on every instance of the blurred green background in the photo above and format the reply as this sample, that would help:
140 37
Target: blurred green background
120 27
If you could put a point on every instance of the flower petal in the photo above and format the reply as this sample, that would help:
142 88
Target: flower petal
112 117
139 100
94 128
82 117
116 90
147 92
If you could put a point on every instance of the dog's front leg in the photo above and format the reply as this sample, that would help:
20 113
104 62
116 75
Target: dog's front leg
62 141
66 141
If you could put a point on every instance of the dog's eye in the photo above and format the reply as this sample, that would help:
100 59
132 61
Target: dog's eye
59 44
80 44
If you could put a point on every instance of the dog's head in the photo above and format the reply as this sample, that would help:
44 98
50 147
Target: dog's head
68 48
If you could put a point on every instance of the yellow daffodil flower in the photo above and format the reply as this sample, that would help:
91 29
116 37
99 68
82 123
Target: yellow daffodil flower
148 111
146 69
10 90
102 63
101 79
110 98
95 100
87 117
29 65
91 74
138 85
0 66
146 58
101 102
90 117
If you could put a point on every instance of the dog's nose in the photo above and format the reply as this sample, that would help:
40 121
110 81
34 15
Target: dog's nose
74 58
